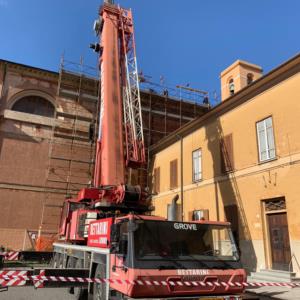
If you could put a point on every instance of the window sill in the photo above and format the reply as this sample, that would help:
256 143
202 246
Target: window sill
267 160
173 188
197 181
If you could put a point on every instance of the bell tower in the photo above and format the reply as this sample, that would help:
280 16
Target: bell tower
237 76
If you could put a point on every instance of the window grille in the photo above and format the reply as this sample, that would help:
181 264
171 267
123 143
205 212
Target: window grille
275 204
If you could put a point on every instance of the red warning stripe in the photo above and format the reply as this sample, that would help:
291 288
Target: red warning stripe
39 282
10 255
19 277
12 278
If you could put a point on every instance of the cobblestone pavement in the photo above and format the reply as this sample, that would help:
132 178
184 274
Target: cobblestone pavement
29 293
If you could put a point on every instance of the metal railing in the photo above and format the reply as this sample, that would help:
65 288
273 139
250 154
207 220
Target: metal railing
177 93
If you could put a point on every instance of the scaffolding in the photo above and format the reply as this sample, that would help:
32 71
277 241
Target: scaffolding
163 114
183 93
71 146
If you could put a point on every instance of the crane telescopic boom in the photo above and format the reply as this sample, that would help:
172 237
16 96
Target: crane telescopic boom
120 99
120 142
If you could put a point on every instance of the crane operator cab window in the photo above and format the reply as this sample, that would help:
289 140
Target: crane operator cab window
119 238
183 241
152 243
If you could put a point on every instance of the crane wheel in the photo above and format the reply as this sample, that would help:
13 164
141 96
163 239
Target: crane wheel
99 292
52 261
80 293
56 260
70 265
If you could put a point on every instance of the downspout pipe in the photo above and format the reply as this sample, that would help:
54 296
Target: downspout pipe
180 137
181 178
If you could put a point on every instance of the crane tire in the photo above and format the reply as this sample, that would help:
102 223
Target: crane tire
80 293
55 261
99 289
52 260
71 265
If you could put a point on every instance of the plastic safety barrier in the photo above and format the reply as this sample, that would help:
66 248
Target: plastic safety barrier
19 278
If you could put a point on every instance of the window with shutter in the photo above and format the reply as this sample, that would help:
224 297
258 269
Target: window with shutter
173 174
265 137
156 183
227 161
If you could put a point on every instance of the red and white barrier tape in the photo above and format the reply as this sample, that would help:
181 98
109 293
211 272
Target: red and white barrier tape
17 278
39 282
10 255
12 278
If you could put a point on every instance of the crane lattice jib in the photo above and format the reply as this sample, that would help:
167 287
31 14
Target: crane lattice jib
134 137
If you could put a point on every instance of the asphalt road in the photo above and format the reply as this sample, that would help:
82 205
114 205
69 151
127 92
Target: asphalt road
29 293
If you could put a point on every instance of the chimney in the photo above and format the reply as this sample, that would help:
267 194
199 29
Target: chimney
237 76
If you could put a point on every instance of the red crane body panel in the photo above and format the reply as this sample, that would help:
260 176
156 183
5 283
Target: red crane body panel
208 276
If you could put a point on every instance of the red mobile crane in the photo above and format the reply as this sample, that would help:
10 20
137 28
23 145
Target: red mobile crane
106 230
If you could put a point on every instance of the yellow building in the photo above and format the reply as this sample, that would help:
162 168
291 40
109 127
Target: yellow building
241 162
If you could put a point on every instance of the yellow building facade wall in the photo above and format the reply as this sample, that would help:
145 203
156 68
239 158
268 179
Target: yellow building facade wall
251 182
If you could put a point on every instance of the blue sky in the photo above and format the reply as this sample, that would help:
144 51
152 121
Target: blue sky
185 41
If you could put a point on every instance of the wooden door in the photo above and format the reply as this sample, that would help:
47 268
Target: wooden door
279 241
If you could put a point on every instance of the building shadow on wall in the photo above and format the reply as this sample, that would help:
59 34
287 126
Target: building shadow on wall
227 192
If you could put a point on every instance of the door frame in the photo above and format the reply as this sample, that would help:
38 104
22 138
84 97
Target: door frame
266 232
